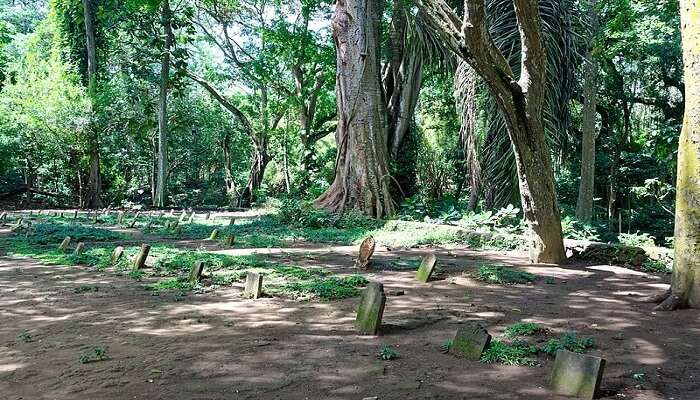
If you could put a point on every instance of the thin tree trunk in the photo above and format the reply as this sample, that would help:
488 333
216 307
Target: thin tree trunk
228 174
584 204
685 285
94 194
161 180
257 172
362 172
465 90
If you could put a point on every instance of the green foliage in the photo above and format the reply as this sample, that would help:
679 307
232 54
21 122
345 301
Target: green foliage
523 329
657 266
518 352
575 229
501 275
24 336
569 341
387 353
94 355
55 232
86 289
637 239
331 288
173 284
446 345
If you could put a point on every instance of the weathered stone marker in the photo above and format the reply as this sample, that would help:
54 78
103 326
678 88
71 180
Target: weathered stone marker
75 214
64 244
196 271
470 341
371 309
230 240
79 249
140 260
577 375
253 285
120 218
117 254
366 251
183 216
214 234
427 267
232 221
208 215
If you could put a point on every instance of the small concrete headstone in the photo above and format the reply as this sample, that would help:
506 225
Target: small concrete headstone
253 285
427 267
117 254
79 249
120 218
214 234
189 221
183 216
230 240
577 375
232 221
140 260
75 214
196 271
208 215
64 244
470 341
366 251
371 309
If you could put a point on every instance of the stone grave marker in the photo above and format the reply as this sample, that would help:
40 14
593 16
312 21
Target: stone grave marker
371 309
470 341
75 214
79 249
253 285
183 215
196 271
230 240
427 267
64 244
232 221
214 234
208 215
366 251
120 218
191 218
117 254
577 375
140 260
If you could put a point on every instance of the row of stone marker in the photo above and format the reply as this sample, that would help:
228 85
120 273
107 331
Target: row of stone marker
253 285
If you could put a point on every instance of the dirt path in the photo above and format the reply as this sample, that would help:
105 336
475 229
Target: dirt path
220 346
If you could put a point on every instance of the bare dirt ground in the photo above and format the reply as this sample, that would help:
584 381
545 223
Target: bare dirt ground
221 346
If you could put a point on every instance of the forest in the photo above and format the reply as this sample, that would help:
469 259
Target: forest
358 199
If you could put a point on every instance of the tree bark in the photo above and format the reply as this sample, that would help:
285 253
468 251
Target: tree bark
94 192
362 172
162 174
521 101
229 181
465 90
257 172
685 284
584 204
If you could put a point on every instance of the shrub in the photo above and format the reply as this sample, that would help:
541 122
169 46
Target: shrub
569 341
637 239
523 329
519 352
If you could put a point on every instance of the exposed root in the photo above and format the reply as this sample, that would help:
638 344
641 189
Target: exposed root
658 298
672 302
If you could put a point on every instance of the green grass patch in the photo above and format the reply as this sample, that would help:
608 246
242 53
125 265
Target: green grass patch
94 355
502 275
523 329
172 284
569 341
55 232
330 288
518 352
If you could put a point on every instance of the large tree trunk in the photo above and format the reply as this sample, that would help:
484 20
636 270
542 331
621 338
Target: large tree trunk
94 193
465 91
362 173
229 181
257 171
584 204
521 100
685 285
161 180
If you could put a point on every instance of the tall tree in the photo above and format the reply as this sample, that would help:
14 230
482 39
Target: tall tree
162 174
584 204
520 100
362 162
685 285
93 198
